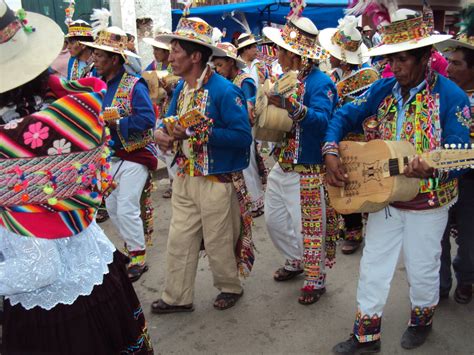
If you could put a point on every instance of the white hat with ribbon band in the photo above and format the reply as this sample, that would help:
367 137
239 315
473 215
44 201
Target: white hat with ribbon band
192 29
230 52
299 36
345 42
29 43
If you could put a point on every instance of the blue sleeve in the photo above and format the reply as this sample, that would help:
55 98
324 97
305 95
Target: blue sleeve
150 66
349 118
250 91
143 115
320 101
233 113
69 68
455 119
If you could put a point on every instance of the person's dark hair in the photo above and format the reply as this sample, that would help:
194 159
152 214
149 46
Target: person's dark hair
81 38
111 55
419 53
242 50
191 47
468 55
36 87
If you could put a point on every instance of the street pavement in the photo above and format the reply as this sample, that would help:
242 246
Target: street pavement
269 320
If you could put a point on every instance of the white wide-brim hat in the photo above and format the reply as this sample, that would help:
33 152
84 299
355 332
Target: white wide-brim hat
385 49
192 29
452 44
245 40
230 52
112 39
292 36
407 31
26 55
157 44
360 56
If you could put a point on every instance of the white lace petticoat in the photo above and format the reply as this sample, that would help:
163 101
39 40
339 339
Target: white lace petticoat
47 272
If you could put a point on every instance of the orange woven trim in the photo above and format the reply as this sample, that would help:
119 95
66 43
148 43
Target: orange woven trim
77 31
345 42
403 31
9 31
113 40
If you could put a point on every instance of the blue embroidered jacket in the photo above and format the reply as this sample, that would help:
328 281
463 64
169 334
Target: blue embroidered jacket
142 117
229 141
81 66
452 103
320 98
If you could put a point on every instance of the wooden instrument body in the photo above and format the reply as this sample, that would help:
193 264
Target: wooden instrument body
273 122
153 77
370 188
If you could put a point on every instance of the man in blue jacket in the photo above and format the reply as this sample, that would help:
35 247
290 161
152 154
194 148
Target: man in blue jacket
422 107
209 191
301 225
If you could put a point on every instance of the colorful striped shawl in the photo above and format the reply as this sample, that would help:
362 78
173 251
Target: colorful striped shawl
42 195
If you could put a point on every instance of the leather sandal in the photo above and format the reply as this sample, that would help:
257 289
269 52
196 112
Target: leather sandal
161 307
283 274
349 246
101 216
313 296
463 293
136 271
230 299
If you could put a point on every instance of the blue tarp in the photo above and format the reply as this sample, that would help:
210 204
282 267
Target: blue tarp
324 13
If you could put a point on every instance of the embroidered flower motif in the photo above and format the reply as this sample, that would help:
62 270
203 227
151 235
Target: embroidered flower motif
60 147
35 135
13 123
238 101
464 116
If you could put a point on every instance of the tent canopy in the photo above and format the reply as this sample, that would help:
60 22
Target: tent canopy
324 13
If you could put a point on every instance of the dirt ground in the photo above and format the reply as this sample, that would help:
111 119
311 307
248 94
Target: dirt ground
269 320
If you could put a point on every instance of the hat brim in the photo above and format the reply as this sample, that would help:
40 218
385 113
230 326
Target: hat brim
385 49
152 42
110 49
248 43
451 44
240 63
325 37
167 38
67 35
41 49
274 35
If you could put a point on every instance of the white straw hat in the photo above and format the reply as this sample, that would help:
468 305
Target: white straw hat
26 50
230 52
345 42
298 36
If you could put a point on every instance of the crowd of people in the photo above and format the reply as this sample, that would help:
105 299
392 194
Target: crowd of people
81 137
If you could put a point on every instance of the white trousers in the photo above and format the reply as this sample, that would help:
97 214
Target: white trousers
254 181
123 204
283 215
167 158
419 235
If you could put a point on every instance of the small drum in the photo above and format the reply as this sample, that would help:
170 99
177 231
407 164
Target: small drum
153 77
272 122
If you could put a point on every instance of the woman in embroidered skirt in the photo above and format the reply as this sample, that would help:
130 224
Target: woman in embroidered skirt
65 285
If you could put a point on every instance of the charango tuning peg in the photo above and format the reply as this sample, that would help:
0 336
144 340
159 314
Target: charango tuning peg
466 145
446 146
452 146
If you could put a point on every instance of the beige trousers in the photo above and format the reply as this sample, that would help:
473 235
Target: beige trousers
201 209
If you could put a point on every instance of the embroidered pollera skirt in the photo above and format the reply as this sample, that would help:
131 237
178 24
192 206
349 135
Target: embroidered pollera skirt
108 321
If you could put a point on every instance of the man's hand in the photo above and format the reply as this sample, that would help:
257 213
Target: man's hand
168 88
335 173
251 111
179 132
418 168
111 124
281 102
164 141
